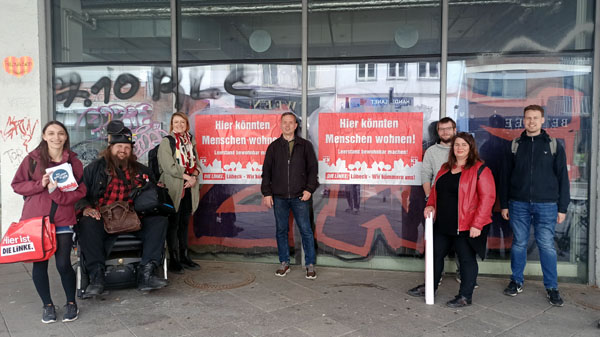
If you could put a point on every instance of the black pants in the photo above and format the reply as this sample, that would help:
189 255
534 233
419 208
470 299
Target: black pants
177 234
39 272
93 239
442 244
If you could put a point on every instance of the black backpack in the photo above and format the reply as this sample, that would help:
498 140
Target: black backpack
153 157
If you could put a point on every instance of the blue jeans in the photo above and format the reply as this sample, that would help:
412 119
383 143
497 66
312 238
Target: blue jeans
543 217
281 208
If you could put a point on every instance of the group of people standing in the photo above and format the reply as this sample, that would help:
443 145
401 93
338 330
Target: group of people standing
533 190
107 180
460 190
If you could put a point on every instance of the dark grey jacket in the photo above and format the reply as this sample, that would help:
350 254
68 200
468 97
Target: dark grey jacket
533 174
285 175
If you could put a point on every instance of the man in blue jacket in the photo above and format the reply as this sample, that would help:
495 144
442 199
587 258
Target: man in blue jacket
288 180
534 190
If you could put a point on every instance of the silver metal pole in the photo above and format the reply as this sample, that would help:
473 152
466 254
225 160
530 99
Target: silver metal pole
47 72
174 73
594 233
304 100
444 60
304 66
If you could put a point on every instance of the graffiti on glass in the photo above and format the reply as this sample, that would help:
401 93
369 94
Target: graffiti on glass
147 132
69 87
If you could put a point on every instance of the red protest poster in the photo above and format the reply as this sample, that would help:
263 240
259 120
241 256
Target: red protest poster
232 147
370 148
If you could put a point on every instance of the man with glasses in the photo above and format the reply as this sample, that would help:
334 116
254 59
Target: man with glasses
437 154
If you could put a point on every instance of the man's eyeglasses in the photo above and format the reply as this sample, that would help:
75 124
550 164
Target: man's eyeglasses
445 129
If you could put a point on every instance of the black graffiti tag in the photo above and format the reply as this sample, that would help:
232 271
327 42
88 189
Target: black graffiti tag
126 86
70 90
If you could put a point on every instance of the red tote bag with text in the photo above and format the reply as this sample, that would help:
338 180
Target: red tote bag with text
30 240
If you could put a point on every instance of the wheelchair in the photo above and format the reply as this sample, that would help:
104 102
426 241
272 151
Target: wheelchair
121 265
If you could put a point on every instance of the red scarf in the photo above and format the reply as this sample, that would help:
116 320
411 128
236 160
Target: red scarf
184 150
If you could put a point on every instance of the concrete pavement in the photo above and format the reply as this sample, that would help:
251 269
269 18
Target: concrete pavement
247 299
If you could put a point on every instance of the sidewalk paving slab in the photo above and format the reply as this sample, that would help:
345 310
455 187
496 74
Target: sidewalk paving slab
340 302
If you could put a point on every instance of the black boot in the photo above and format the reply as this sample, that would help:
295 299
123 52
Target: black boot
96 286
186 261
147 280
174 264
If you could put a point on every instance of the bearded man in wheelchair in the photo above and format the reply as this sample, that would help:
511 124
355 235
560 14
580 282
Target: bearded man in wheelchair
108 210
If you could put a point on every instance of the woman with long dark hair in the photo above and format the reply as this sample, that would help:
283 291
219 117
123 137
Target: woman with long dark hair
34 183
179 167
461 202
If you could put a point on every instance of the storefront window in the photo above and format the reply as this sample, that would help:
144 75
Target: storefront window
111 31
370 204
239 30
87 98
369 28
505 56
373 100
509 26
235 112
488 98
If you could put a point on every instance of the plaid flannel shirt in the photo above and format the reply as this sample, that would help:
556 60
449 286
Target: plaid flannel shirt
117 190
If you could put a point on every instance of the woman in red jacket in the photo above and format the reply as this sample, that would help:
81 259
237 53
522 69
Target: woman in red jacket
461 202
33 182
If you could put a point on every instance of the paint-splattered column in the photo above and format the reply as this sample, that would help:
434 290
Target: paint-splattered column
24 92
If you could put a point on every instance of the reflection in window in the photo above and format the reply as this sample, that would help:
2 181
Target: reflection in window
239 30
312 77
343 209
538 26
429 70
396 70
261 93
373 28
489 104
118 31
270 74
87 98
366 72
498 86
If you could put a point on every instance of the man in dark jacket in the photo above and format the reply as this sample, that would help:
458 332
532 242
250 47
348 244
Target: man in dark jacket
288 180
534 190
110 179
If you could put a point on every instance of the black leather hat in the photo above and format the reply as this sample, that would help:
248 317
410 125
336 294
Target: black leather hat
118 133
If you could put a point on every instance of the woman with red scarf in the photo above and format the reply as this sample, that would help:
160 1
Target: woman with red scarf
179 167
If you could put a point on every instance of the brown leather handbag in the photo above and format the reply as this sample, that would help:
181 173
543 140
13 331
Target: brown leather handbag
119 217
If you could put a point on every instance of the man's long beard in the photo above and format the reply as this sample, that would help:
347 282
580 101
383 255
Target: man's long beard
120 163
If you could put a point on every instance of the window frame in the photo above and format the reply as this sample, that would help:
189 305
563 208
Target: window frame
366 77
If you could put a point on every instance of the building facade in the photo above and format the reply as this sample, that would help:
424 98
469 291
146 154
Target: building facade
86 62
